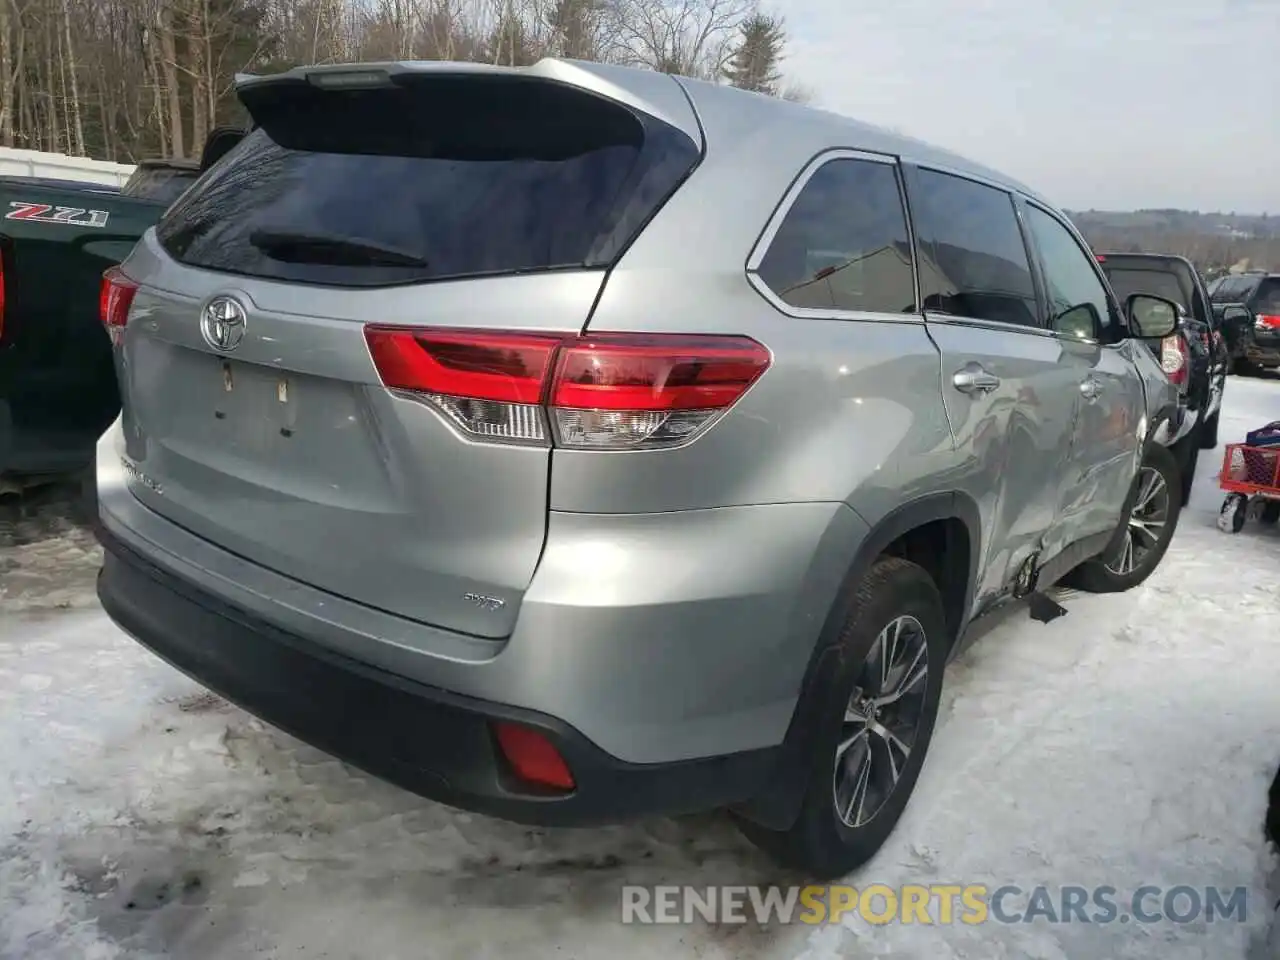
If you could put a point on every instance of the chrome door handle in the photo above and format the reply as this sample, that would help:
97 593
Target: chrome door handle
1090 389
973 379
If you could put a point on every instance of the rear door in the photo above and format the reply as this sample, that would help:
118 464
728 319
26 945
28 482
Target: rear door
255 416
1010 399
1086 322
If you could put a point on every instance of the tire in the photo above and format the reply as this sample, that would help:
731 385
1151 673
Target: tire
1114 574
1209 431
1188 458
821 843
1232 514
1270 512
84 497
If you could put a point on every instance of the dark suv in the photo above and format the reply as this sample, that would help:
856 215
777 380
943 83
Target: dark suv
1194 356
1253 338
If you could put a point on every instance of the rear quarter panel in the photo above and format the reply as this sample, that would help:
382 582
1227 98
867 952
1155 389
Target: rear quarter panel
849 411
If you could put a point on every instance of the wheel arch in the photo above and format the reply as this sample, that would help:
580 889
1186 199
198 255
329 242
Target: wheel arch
778 805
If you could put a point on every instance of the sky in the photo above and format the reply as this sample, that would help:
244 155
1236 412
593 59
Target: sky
1097 104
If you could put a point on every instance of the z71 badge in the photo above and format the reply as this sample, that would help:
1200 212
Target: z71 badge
46 213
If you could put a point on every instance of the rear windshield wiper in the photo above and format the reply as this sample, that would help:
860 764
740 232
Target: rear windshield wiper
329 249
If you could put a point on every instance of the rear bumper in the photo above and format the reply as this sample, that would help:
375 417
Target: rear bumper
433 742
1263 351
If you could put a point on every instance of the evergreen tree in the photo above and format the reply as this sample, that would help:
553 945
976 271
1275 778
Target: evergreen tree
755 60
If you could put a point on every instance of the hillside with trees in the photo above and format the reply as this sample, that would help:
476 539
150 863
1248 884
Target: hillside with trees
128 79
1215 242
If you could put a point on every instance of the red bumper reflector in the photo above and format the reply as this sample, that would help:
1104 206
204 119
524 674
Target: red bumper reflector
532 756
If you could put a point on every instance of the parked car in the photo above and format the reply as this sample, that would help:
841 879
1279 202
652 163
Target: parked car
1252 333
572 443
1194 356
161 180
58 388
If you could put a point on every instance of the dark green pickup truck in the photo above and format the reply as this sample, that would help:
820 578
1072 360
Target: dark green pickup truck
57 383
58 389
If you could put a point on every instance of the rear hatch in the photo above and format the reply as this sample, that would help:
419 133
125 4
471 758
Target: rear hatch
1267 314
1160 277
384 197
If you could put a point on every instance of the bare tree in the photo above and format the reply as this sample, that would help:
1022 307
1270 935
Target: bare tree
127 79
686 37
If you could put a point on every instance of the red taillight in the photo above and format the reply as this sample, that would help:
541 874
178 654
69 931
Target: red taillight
532 756
1100 258
115 298
504 367
599 392
1268 321
1174 357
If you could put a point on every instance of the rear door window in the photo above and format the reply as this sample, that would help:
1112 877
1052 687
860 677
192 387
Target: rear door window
428 178
843 244
973 260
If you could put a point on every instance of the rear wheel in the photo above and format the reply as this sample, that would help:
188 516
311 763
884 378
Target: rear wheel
84 497
872 745
1209 432
1149 528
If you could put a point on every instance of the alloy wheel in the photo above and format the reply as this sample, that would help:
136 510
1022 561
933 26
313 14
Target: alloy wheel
881 722
1146 525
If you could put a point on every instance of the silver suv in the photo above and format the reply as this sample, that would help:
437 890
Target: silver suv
575 443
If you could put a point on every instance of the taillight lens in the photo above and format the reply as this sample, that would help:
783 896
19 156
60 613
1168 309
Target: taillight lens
1267 321
1173 358
115 297
600 392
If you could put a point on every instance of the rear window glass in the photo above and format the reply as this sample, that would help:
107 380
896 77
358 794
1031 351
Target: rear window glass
1231 290
1269 297
162 185
432 179
1126 282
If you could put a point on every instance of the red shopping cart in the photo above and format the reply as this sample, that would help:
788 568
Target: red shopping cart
1251 477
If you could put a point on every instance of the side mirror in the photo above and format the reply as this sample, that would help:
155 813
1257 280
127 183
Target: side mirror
1081 322
218 144
1236 313
1151 318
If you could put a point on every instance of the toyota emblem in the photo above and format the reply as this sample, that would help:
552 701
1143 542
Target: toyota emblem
222 323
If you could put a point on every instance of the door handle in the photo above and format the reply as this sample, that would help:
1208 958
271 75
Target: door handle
973 379
1090 388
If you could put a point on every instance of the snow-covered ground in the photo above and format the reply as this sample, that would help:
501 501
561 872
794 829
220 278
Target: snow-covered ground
1131 742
